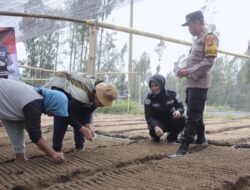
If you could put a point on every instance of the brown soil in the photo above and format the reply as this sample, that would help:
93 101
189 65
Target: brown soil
123 157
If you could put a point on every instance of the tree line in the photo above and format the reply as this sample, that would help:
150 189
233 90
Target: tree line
49 50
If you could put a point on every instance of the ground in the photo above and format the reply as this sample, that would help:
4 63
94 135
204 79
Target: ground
123 157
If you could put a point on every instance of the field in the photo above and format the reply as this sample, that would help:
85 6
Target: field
123 157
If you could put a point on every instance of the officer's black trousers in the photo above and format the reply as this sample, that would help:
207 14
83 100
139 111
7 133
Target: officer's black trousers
195 99
172 126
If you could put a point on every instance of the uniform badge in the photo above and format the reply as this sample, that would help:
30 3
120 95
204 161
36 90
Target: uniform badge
209 41
211 46
147 101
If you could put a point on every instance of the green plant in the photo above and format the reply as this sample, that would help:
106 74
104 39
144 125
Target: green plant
121 107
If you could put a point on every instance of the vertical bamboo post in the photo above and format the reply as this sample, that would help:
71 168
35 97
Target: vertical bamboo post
130 52
139 88
92 50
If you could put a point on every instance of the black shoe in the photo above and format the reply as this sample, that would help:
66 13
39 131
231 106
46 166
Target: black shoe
155 140
202 141
183 149
177 141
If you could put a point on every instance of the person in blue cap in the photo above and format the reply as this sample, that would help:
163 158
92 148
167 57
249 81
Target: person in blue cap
198 74
21 107
163 110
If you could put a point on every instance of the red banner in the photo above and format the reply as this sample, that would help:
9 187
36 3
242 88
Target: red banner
8 57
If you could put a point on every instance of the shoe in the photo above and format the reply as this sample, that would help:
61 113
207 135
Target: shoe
202 141
177 141
171 142
183 149
155 140
79 149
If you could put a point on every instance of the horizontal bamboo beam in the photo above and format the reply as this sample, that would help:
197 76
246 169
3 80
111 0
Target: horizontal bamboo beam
114 73
113 27
36 68
33 79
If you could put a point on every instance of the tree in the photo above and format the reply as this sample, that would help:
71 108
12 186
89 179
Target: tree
159 49
42 48
112 60
142 66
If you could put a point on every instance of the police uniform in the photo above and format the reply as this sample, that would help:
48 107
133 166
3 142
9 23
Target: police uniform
159 111
198 64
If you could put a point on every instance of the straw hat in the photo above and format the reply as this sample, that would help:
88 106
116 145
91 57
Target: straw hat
106 93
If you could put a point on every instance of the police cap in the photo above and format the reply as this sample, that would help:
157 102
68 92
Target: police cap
197 15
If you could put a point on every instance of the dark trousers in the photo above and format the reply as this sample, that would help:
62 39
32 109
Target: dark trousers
172 126
195 99
60 128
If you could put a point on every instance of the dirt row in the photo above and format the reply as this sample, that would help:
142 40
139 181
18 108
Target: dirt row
123 157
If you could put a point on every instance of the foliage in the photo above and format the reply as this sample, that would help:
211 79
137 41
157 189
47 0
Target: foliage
121 107
159 49
142 67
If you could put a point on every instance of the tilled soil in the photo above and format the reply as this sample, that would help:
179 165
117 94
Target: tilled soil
123 157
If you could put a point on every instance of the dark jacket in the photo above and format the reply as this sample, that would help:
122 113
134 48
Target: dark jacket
161 107
79 113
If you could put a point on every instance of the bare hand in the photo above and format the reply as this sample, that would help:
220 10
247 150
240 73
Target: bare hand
58 157
91 128
158 131
182 73
176 114
86 133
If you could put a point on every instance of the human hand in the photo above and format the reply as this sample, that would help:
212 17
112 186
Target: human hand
182 73
86 133
91 128
176 114
158 131
58 157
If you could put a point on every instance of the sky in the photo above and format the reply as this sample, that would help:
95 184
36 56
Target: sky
165 17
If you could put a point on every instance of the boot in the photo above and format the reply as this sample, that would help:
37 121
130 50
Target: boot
201 140
183 149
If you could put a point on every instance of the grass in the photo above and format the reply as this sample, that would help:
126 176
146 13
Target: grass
121 107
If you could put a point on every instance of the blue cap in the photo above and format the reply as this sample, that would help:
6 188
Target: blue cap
55 102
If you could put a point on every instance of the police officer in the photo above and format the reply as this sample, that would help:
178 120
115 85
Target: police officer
198 78
163 110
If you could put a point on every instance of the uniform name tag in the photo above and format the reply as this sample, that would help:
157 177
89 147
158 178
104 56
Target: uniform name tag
156 105
170 102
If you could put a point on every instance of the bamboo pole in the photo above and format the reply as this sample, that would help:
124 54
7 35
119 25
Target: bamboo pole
112 27
92 50
33 79
114 73
139 89
130 52
38 69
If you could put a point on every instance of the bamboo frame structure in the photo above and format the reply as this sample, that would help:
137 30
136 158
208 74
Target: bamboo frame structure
94 25
112 27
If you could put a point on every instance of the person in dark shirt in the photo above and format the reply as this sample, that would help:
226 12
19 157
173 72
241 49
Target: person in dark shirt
163 110
85 94
21 107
